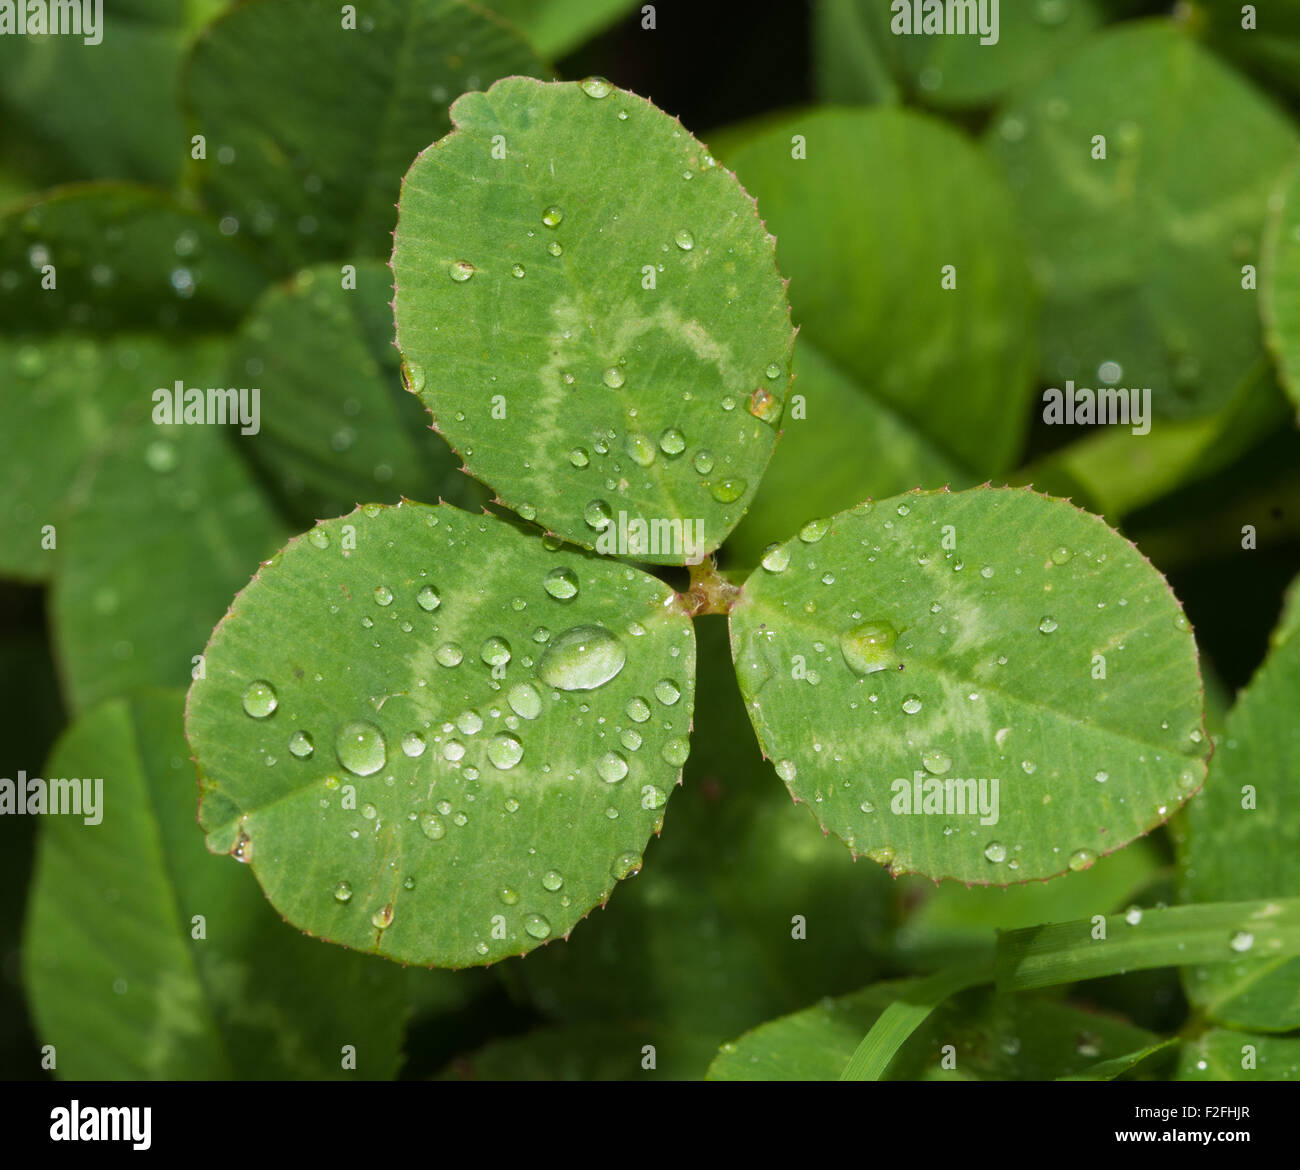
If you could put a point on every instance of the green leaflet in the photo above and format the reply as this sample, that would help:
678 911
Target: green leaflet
337 426
934 643
163 527
305 164
117 980
1221 1055
978 1035
406 727
1281 282
1140 255
868 225
1242 840
594 318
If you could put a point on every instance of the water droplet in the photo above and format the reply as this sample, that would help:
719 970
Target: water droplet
672 442
675 751
787 770
260 699
469 722
343 892
773 371
382 918
413 744
638 710
613 377
1061 555
1082 859
1133 915
1181 622
936 762
626 865
703 462
776 558
495 652
452 751
996 852
641 450
518 271
319 538
582 659
579 457
414 375
1188 779
301 746
912 704
596 87
505 752
537 926
1242 941
449 654
383 595
555 248
612 767
814 530
866 648
684 240
552 216
361 749
461 270
524 700
597 514
1102 777
552 880
667 692
727 491
432 827
427 599
1047 625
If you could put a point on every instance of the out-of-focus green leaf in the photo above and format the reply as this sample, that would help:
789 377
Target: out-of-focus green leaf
137 284
989 685
1242 840
337 426
1281 277
556 27
1141 254
106 110
596 321
867 225
407 726
162 530
147 958
1223 1055
819 466
865 51
975 1036
1268 49
310 125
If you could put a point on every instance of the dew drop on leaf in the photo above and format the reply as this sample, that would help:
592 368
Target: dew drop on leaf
867 647
581 659
361 749
260 699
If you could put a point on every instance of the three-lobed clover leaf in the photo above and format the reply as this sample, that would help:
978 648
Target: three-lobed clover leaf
435 737
590 307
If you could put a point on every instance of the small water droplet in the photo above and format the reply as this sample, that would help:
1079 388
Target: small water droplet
776 558
449 654
672 441
626 865
1133 915
675 751
1101 777
552 216
342 892
427 599
727 491
936 762
301 745
1047 625
996 852
641 450
613 377
1082 859
787 770
1061 555
1242 941
518 271
552 880
684 240
814 530
495 652
460 270
912 704
596 87
524 700
537 926
703 462
382 918
579 457
667 692
260 699
555 248
432 827
638 710
612 767
383 595
598 515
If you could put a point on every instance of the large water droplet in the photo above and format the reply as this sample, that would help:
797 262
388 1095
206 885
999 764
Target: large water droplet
524 700
260 699
432 827
814 530
867 648
449 654
552 880
727 491
638 710
537 926
597 514
667 692
427 599
495 652
582 659
413 744
552 216
675 751
361 749
596 87
936 762
612 767
672 441
996 852
301 746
